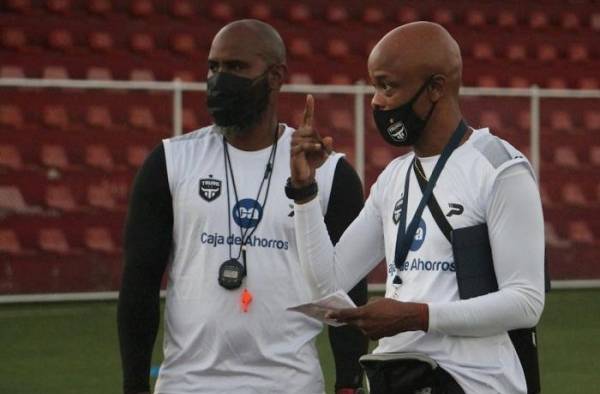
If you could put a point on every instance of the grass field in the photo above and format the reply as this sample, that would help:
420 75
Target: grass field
72 347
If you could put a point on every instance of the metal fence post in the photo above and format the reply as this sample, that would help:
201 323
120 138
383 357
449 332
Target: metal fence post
359 130
177 107
535 129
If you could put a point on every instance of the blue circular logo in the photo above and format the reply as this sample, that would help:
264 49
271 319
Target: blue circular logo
419 236
247 213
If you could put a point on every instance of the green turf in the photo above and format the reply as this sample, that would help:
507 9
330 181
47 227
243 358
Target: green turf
72 347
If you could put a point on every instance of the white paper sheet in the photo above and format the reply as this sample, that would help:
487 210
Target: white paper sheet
319 308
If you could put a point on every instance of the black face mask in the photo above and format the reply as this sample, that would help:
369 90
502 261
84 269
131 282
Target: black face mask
401 126
235 101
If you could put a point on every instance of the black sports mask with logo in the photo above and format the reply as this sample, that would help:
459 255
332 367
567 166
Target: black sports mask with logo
401 126
236 101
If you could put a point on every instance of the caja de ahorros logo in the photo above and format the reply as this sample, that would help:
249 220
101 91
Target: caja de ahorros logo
397 131
209 189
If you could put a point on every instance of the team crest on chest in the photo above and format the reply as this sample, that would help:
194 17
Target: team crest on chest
210 189
398 209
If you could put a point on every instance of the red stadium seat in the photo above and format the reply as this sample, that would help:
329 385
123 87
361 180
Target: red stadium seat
60 40
60 197
11 117
100 41
11 200
539 20
299 13
507 19
184 44
9 242
221 11
261 11
19 6
338 49
98 156
100 196
141 118
183 9
579 231
13 38
487 81
595 21
336 14
578 53
55 116
594 158
570 21
55 72
189 119
491 119
59 6
518 82
53 240
443 16
373 15
516 52
10 157
99 7
99 73
557 83
141 8
54 156
561 121
547 53
483 51
407 14
98 239
136 155
588 83
12 72
565 156
185 75
342 119
552 237
340 79
142 43
572 194
300 48
300 78
98 116
141 74
591 120
475 18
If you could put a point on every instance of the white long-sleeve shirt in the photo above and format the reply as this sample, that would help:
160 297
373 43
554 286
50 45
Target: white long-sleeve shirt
487 181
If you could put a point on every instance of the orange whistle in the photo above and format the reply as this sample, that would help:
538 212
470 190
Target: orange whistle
246 300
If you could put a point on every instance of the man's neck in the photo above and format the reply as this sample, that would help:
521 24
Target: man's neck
258 137
437 134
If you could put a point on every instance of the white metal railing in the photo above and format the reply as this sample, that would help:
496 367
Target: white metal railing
359 91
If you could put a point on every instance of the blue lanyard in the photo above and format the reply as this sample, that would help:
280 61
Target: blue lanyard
405 238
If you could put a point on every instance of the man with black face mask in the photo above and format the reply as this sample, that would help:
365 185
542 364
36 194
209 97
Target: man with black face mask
458 219
205 203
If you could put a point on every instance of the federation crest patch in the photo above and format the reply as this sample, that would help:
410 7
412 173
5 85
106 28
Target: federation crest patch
210 189
398 209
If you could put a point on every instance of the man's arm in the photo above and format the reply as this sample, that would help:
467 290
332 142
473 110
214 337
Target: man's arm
347 342
516 230
147 244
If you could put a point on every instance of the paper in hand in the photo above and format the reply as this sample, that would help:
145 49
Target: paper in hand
319 308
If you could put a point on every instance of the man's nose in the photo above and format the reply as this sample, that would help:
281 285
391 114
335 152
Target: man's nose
377 102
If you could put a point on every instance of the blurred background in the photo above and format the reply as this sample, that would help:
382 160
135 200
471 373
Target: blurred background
88 88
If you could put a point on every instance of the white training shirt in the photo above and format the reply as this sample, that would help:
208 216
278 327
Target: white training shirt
484 180
210 345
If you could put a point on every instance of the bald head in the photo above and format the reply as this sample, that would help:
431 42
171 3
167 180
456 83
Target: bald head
418 50
253 35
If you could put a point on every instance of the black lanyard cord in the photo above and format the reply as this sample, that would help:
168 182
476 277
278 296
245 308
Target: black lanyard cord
266 177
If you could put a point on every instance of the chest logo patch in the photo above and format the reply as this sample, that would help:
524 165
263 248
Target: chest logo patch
210 189
455 209
398 209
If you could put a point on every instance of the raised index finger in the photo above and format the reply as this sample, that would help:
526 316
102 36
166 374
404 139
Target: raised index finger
309 110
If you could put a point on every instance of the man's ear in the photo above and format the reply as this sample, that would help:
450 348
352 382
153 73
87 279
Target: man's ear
437 87
277 76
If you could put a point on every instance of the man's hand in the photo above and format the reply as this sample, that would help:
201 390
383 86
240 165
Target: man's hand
309 151
385 317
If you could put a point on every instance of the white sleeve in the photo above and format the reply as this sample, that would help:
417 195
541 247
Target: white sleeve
358 251
516 231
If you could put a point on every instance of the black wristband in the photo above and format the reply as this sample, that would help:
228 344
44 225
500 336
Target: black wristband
300 193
